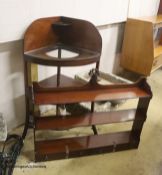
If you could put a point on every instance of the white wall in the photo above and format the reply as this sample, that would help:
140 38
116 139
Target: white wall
12 83
139 8
16 15
112 37
11 66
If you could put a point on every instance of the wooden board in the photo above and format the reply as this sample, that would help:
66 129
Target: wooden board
44 98
137 50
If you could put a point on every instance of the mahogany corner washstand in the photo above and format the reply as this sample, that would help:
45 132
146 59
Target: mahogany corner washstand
82 38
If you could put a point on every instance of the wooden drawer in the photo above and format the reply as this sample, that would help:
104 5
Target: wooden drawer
157 63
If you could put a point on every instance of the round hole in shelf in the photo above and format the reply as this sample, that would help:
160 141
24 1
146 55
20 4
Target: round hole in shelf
64 54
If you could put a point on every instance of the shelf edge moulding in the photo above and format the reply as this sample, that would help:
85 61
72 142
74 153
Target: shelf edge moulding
16 15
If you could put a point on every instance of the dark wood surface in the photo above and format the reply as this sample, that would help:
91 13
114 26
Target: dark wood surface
84 57
40 34
81 37
141 115
160 7
82 34
43 98
65 81
74 147
88 119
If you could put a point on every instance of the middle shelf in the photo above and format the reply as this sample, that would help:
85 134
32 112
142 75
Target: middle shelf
98 118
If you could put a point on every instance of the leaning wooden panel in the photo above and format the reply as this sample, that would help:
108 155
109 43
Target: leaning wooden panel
137 51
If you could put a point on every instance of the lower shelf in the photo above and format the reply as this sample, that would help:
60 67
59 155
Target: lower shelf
74 147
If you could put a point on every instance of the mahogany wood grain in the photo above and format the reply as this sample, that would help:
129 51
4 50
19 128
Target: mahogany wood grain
88 95
141 115
65 81
72 147
81 36
66 122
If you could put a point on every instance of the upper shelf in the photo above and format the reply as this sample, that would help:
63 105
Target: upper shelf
47 36
86 95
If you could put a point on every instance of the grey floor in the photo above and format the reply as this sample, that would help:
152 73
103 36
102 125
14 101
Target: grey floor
147 160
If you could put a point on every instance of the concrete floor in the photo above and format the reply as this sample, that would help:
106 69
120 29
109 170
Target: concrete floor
147 160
